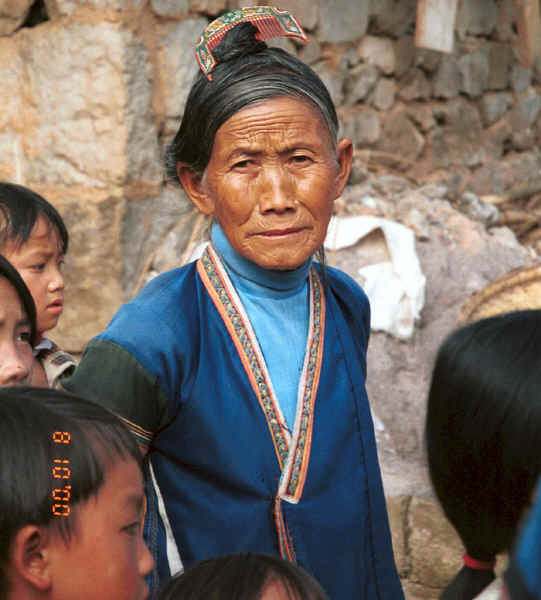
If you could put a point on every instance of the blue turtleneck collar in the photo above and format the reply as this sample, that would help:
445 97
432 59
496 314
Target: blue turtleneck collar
250 272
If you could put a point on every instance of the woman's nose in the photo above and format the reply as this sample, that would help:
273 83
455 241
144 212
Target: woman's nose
276 194
13 368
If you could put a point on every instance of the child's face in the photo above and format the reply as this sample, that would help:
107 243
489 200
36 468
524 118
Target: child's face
106 557
39 261
15 347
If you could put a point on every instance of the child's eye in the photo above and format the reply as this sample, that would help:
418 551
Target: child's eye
24 336
39 267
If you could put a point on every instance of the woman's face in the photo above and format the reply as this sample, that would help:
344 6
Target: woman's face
272 180
15 344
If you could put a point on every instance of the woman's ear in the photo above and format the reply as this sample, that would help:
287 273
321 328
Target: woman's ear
344 154
195 188
30 560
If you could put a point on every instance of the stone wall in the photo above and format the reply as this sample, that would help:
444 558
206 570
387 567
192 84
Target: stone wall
94 89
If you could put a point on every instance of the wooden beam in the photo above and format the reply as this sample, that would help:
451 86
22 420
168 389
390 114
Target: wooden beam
435 27
529 31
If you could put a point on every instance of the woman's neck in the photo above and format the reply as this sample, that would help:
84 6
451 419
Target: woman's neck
285 281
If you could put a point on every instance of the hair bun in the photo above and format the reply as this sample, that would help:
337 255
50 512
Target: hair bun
238 42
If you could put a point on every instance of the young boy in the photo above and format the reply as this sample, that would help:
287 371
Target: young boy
71 501
34 239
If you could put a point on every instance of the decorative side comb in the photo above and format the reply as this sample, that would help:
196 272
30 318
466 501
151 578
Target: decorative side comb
271 22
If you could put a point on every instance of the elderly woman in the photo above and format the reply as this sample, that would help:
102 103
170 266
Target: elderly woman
18 330
244 372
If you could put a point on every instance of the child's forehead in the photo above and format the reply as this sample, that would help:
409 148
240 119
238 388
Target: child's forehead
44 237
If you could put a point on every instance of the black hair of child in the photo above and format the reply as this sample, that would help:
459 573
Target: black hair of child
20 208
483 430
29 418
241 576
9 272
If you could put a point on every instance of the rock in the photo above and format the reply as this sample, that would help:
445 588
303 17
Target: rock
404 52
496 139
360 83
422 115
146 222
310 52
471 205
59 8
520 78
208 7
414 86
90 88
393 17
526 111
334 78
537 70
384 94
361 125
507 18
436 555
177 65
306 13
171 8
400 136
500 59
458 139
12 15
474 72
499 178
397 509
93 270
524 140
494 105
447 79
477 17
15 115
342 20
379 52
427 59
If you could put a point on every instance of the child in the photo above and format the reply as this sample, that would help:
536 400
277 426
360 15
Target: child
34 239
71 501
18 330
483 435
248 576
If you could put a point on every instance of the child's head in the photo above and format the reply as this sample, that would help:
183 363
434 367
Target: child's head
17 327
248 576
483 428
71 500
34 239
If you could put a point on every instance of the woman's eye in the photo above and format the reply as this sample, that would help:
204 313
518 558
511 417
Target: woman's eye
300 159
133 528
242 164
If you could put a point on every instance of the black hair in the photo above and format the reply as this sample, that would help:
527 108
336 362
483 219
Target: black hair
20 208
248 72
483 428
38 428
9 272
241 577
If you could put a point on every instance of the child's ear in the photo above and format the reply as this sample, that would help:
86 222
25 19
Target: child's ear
194 186
30 558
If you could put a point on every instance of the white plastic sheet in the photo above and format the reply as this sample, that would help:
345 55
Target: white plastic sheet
395 288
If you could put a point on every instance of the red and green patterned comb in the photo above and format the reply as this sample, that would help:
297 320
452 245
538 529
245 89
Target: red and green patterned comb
270 22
